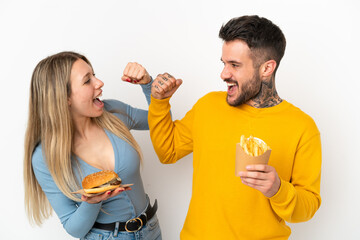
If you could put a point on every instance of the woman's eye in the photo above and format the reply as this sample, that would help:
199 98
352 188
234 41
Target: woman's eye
88 81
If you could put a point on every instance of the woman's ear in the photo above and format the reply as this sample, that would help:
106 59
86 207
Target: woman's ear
69 102
267 68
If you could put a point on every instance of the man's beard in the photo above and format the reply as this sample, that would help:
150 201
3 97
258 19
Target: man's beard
248 90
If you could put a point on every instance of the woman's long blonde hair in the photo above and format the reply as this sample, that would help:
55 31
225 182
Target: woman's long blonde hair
50 124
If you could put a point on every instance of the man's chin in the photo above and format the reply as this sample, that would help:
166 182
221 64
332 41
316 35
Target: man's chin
234 102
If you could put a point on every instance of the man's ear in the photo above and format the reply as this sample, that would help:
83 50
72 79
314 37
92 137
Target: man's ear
267 69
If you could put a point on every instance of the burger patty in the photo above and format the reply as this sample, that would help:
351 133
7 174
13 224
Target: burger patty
115 181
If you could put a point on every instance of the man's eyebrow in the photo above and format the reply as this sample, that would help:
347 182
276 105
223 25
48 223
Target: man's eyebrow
234 62
231 61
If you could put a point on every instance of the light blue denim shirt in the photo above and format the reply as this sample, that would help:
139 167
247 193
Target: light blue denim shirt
78 218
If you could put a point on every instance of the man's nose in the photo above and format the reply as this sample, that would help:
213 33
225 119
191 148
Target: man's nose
225 74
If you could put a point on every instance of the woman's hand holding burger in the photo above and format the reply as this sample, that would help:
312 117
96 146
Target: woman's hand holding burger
106 195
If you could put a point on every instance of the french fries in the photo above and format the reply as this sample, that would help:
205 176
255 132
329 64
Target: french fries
253 146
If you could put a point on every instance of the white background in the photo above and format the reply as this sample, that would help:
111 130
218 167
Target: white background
319 74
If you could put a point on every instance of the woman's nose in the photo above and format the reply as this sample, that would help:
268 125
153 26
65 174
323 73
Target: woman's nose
99 83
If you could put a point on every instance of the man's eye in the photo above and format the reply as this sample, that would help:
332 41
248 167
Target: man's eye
235 65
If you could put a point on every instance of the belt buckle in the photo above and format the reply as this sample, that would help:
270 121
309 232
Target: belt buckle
138 219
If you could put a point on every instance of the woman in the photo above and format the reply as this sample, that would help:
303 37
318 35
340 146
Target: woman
72 133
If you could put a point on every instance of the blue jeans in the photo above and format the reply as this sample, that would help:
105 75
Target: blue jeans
151 231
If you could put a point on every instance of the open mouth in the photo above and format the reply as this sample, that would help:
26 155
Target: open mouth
97 101
232 86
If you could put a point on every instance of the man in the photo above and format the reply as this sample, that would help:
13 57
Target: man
257 204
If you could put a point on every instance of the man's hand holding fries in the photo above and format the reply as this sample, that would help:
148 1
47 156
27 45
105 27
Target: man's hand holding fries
260 176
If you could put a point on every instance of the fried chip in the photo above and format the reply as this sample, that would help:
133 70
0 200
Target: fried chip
253 146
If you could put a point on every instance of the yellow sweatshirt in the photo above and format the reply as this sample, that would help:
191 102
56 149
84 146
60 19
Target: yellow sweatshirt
221 207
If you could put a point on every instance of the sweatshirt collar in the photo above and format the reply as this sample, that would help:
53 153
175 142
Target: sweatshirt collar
252 110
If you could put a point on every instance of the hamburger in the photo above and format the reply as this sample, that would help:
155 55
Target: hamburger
101 182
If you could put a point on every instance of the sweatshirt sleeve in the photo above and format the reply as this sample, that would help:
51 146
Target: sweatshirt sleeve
299 199
76 218
172 140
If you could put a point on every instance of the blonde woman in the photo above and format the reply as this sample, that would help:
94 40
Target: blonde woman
72 133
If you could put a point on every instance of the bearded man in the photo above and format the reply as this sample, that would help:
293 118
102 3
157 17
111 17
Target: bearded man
257 204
